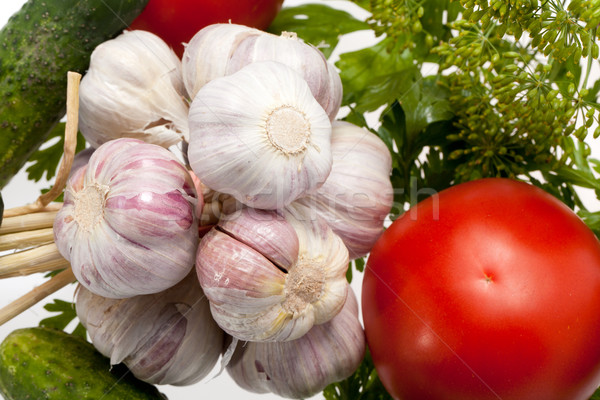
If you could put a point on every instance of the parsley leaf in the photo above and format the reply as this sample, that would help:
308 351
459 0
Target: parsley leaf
364 384
46 160
317 24
66 314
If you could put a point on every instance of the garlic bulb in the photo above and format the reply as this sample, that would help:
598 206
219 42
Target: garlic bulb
133 88
271 277
303 367
127 224
164 338
260 136
231 47
208 52
358 194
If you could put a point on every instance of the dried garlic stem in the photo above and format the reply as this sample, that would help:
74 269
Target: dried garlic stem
28 222
22 240
39 293
39 259
73 79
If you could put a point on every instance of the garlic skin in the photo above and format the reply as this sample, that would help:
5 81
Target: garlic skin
303 367
270 276
216 43
163 338
231 47
260 136
127 224
133 88
358 194
321 76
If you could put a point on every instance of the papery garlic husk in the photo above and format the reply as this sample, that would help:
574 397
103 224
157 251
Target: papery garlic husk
133 88
260 136
127 224
163 338
208 52
303 367
358 194
271 277
223 49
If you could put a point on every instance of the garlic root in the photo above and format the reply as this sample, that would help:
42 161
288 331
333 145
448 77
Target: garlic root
36 295
12 223
38 259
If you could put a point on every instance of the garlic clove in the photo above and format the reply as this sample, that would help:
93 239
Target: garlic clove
216 43
274 237
303 367
260 136
127 224
163 338
253 298
133 88
358 194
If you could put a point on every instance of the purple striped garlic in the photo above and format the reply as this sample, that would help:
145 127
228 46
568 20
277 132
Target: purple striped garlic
271 276
128 224
303 367
164 338
223 49
358 194
260 136
133 88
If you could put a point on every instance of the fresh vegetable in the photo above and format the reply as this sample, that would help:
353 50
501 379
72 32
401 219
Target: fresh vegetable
43 363
301 368
271 276
177 21
231 47
38 46
355 204
489 289
175 340
128 223
139 75
260 121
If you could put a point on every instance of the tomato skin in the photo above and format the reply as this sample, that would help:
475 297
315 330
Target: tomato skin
177 21
497 298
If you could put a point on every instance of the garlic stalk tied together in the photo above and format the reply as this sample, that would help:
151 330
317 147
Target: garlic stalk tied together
127 224
303 367
358 194
163 338
271 277
231 47
266 143
133 88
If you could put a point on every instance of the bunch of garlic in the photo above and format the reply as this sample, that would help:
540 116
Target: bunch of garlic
133 88
303 367
272 276
128 224
231 47
268 122
291 196
163 338
358 194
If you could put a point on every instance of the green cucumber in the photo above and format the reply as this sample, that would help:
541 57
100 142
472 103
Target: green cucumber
44 363
38 46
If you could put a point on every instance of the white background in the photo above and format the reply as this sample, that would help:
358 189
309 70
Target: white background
20 191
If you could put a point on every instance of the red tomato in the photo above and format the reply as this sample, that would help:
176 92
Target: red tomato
489 290
177 21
